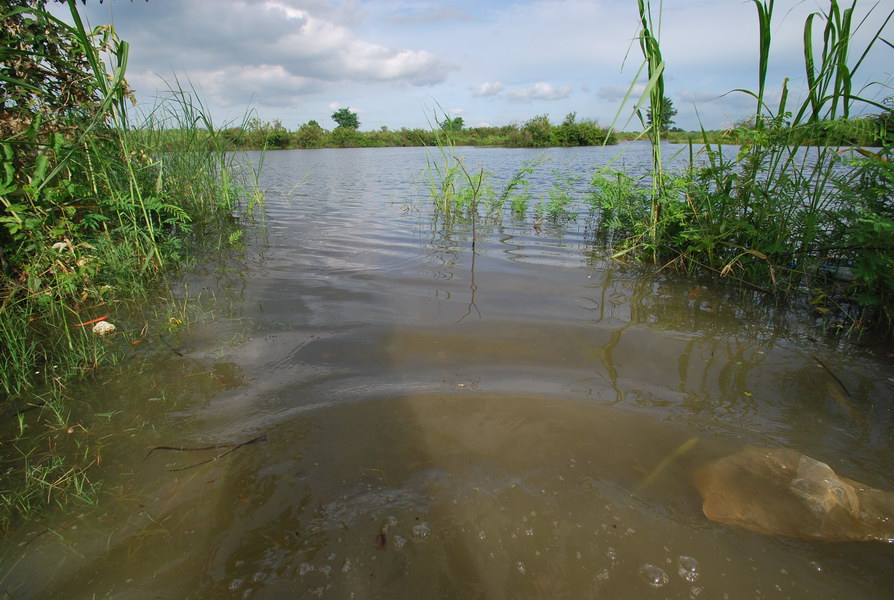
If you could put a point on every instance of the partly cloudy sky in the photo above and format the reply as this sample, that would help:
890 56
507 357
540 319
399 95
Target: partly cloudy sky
493 62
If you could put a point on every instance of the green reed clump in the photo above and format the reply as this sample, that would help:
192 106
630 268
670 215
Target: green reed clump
461 194
558 205
776 213
517 191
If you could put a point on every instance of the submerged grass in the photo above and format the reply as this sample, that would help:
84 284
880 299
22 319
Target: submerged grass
96 204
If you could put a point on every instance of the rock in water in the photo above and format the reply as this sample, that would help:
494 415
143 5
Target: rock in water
783 492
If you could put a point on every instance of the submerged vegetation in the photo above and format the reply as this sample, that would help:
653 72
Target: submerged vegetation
93 208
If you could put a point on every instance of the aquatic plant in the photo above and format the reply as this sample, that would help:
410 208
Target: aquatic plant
458 192
561 199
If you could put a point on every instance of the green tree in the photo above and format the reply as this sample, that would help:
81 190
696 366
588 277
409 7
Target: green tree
454 124
310 135
538 132
667 114
579 133
346 119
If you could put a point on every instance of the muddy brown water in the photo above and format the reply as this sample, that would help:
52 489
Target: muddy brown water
498 416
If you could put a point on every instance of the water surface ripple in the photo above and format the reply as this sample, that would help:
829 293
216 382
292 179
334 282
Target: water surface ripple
447 424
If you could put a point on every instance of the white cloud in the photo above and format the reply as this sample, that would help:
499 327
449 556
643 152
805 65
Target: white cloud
361 61
540 91
338 105
427 15
488 88
457 111
272 51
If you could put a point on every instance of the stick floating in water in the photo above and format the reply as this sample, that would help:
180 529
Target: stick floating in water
91 321
232 447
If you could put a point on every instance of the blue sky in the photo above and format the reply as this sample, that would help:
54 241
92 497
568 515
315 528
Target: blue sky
394 62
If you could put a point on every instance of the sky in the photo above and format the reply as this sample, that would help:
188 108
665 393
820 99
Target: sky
407 63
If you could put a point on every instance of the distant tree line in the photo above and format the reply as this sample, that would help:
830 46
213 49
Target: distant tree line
537 132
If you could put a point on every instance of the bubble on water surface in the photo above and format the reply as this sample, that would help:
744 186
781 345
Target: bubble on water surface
347 566
521 567
687 567
398 542
392 521
422 530
482 535
602 575
235 585
305 568
653 575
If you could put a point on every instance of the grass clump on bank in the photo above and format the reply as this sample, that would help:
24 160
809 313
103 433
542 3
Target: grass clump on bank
865 131
771 213
92 209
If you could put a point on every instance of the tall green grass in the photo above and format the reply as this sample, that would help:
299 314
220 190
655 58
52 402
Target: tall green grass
97 202
773 213
464 194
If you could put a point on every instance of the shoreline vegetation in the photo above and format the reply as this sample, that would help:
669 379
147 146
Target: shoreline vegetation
538 132
98 205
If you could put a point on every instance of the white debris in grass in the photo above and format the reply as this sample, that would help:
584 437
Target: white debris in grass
103 328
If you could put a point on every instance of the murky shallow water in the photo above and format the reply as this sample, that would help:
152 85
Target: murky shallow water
496 416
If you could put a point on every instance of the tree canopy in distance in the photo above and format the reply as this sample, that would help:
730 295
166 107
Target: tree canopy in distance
346 119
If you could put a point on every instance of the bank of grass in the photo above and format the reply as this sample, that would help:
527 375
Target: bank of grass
864 131
94 211
772 214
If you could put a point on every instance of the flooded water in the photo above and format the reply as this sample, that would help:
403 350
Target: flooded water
419 420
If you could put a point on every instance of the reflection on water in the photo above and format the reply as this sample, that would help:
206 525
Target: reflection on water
505 424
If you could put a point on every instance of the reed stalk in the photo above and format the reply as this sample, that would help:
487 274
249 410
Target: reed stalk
654 92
